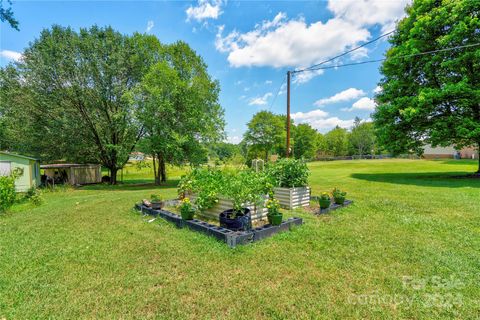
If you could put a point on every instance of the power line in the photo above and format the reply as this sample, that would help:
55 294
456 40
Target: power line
276 95
395 57
345 53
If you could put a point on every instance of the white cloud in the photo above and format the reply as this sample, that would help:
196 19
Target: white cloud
370 12
260 101
283 42
364 103
268 82
309 115
234 139
11 55
319 120
377 90
304 77
345 95
150 26
206 9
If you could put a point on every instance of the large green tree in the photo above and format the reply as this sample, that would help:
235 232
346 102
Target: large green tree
337 142
178 109
265 132
432 98
362 138
305 141
69 92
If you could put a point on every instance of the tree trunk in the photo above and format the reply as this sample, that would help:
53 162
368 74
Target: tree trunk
478 150
113 175
162 168
156 171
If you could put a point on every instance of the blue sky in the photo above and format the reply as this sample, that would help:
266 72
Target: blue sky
248 46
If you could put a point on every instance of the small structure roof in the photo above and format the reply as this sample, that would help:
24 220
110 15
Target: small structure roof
65 165
17 155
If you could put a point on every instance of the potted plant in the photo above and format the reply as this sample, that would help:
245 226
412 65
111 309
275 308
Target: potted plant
290 177
324 200
339 196
274 215
187 210
157 202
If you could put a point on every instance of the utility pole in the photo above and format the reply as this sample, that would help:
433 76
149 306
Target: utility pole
288 114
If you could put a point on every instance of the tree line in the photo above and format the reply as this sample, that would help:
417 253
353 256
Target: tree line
266 135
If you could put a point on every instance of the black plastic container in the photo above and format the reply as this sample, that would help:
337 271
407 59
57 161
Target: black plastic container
239 223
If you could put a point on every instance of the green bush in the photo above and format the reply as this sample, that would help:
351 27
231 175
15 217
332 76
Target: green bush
35 196
289 173
8 195
243 186
7 192
206 183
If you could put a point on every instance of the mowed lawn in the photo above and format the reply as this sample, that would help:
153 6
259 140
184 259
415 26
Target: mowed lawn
409 247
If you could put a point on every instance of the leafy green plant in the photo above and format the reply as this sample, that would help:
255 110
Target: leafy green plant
35 196
273 206
7 192
244 187
155 198
338 196
289 173
8 195
325 196
206 183
187 210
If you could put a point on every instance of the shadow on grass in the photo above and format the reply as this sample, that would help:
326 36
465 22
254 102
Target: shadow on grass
427 179
132 185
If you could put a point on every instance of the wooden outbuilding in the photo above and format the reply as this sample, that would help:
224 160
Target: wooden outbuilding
74 174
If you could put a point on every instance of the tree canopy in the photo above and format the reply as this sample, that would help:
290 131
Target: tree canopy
432 98
178 108
265 132
6 15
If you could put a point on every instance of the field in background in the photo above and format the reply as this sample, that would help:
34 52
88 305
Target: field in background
407 248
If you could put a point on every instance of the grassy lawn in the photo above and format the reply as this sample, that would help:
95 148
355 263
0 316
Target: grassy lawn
409 247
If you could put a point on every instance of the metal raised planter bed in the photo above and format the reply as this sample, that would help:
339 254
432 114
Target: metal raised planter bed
292 198
257 213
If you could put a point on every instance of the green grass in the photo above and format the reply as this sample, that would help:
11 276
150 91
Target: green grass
86 254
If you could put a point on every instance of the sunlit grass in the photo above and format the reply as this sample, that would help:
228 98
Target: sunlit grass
85 253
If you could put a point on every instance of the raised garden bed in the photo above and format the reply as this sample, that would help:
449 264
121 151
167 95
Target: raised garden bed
292 198
231 238
257 212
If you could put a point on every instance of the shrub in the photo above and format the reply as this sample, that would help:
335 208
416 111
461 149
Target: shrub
35 196
242 188
7 192
8 195
289 173
245 186
206 183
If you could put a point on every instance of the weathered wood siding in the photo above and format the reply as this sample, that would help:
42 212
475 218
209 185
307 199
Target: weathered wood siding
292 198
87 174
225 204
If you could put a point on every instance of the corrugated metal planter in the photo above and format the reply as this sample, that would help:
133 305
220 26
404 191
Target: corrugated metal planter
291 198
258 213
